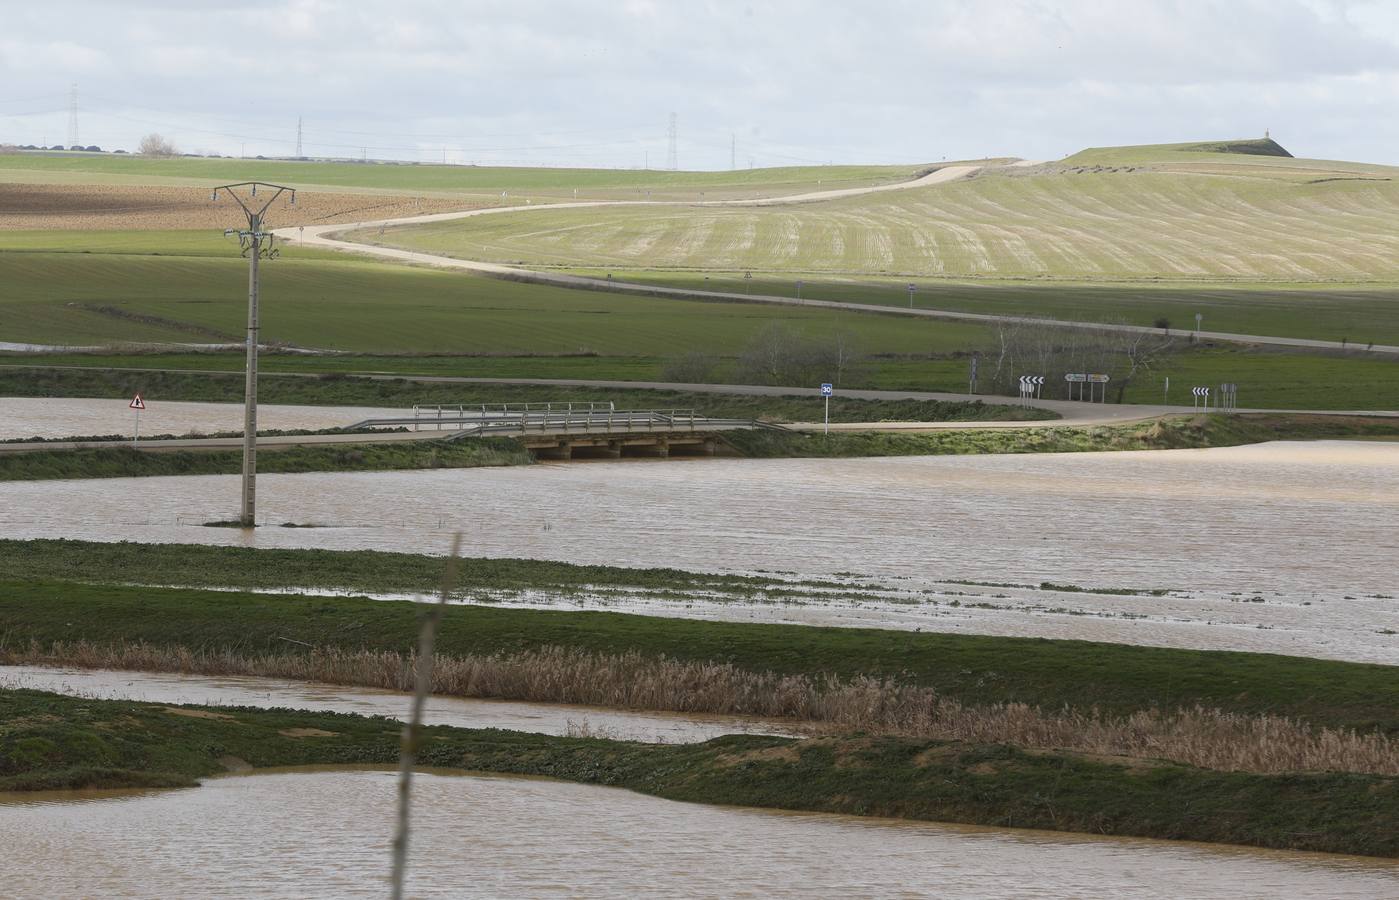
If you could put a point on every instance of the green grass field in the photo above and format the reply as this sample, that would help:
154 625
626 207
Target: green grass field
186 287
1123 223
1356 313
92 168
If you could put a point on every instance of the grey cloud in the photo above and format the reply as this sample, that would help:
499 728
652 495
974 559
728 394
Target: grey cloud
593 83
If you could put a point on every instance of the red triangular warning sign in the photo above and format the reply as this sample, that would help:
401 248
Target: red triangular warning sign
137 402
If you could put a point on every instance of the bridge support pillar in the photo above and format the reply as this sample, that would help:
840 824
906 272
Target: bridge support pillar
562 450
613 450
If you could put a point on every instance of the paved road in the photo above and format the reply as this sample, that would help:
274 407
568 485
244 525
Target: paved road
1073 414
329 236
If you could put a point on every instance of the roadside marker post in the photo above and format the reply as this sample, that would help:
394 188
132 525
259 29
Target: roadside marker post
827 389
137 404
911 288
799 290
1166 391
1030 388
1228 397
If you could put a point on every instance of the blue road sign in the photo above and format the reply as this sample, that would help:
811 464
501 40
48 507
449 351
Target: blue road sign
827 390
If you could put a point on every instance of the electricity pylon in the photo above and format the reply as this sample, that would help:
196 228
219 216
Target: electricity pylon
251 241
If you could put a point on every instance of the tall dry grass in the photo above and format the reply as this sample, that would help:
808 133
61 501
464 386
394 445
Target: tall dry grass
1208 738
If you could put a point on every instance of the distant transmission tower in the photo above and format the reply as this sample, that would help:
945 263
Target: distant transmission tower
672 156
298 137
72 116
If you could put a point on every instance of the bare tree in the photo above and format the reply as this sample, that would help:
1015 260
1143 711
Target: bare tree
1053 350
155 145
694 367
780 355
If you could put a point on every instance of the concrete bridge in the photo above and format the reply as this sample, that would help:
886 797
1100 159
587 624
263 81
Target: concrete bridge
566 431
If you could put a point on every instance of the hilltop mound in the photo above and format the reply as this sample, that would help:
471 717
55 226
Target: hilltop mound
1254 147
1147 154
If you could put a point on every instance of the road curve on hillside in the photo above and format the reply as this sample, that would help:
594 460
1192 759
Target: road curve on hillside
330 237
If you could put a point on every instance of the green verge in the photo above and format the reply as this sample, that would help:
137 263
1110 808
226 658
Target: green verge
973 669
128 462
1268 377
343 390
48 741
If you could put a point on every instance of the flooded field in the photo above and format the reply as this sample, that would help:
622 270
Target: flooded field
1282 547
269 693
326 834
25 417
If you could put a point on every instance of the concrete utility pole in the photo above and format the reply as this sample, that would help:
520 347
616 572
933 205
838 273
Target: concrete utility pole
251 241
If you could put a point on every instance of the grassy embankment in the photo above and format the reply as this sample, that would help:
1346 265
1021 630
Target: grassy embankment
976 671
128 462
1179 433
50 741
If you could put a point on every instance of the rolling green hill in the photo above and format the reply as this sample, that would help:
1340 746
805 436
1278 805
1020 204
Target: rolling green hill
1125 215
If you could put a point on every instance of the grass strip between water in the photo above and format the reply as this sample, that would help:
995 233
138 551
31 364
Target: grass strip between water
1176 433
1182 432
48 741
128 462
974 670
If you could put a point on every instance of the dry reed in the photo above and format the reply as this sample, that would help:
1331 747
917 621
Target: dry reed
1202 737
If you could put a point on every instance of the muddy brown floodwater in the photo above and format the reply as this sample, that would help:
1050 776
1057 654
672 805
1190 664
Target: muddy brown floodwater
1280 547
270 693
25 417
326 834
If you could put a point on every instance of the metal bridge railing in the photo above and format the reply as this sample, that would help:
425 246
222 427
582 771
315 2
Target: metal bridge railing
559 419
435 414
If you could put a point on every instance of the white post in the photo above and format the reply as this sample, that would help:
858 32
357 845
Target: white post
828 414
137 435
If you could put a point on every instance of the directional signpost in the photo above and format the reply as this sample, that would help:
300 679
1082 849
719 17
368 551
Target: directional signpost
1202 396
827 389
137 404
1091 387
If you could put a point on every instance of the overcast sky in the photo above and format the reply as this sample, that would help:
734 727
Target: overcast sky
595 83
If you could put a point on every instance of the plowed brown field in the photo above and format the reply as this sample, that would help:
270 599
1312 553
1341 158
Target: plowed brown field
104 207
